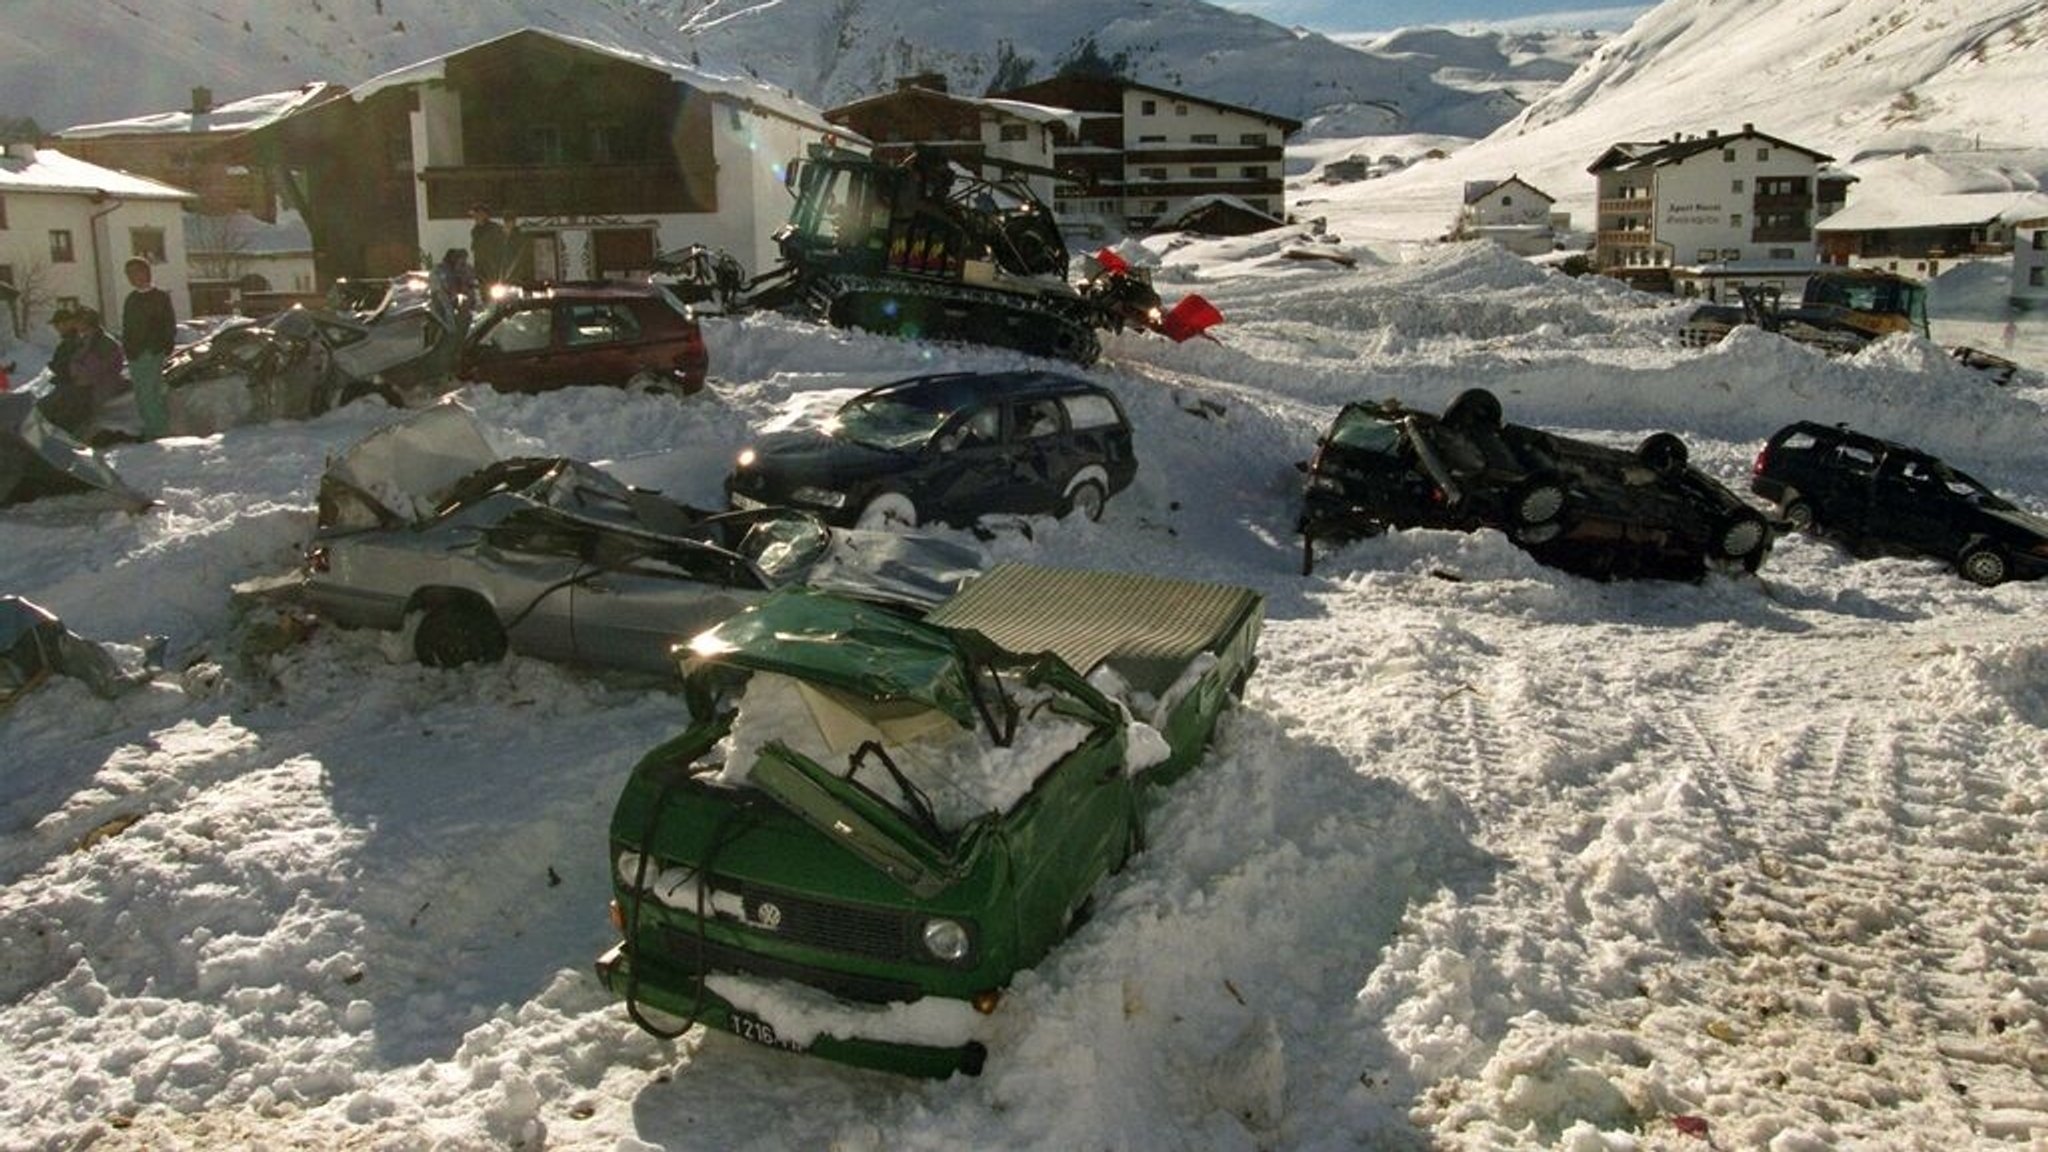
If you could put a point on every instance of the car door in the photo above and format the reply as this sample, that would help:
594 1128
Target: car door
639 600
514 349
525 565
966 466
1039 455
1844 502
1076 825
1918 510
600 343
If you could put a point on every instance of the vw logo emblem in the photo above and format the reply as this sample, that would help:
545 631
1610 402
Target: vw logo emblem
769 915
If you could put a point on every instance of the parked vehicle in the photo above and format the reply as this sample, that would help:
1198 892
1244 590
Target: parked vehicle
951 448
1881 497
422 525
873 824
615 333
1581 507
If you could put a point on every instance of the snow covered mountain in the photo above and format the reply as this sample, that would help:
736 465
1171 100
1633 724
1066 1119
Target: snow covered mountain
1857 79
58 56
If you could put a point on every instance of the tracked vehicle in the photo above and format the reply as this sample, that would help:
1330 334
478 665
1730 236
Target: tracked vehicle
1840 311
919 248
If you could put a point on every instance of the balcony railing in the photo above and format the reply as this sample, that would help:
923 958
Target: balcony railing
634 188
1798 234
1629 238
1637 204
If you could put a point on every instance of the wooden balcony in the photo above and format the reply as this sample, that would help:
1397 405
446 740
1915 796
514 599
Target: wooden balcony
1627 238
642 188
1636 205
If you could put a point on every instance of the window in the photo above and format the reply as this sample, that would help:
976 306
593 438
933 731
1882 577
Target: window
544 144
1728 155
3 214
1151 173
2036 277
525 331
1152 139
1148 107
1704 256
1036 418
1180 109
1254 139
60 246
1763 154
2040 237
1781 254
1507 201
147 243
604 143
1202 138
1013 133
1731 253
600 324
1203 172
1091 411
1252 172
1735 219
1736 185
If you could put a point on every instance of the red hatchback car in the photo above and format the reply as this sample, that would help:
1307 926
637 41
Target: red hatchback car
609 332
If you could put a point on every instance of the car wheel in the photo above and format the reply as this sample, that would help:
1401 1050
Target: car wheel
1662 453
1983 564
1086 501
1798 516
457 631
1538 501
1474 408
888 512
1741 535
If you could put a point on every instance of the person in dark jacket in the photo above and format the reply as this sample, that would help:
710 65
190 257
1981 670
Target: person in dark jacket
85 373
149 330
486 245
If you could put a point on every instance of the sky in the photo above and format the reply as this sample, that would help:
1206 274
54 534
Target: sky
1383 15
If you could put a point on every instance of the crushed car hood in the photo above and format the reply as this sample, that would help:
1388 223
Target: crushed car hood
39 459
914 569
807 456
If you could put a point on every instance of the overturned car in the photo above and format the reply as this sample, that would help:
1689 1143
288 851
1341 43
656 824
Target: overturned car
872 824
1580 507
423 526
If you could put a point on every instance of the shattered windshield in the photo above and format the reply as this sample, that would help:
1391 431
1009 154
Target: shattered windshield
895 423
784 546
1364 431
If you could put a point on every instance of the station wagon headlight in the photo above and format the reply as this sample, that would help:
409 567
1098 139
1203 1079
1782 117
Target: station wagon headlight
822 497
946 939
746 459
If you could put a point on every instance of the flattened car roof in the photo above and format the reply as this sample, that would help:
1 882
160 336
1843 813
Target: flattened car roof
1086 617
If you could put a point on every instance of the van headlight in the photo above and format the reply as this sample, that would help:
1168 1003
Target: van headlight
946 939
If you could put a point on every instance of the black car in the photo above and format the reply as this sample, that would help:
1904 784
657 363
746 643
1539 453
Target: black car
1585 508
948 448
1879 497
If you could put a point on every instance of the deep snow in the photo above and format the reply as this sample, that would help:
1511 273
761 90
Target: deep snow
1491 857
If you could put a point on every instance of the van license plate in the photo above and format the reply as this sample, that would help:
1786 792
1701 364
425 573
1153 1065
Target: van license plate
759 1031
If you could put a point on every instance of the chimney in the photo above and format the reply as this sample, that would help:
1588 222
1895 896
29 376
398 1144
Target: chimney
1713 133
21 150
1748 129
202 101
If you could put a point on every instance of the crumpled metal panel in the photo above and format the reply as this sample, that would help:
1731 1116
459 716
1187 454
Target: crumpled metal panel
37 458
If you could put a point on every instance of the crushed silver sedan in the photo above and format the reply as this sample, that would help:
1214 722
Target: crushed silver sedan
423 527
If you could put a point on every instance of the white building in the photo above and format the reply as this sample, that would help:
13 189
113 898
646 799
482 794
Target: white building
2030 263
67 227
1512 213
1143 155
1706 212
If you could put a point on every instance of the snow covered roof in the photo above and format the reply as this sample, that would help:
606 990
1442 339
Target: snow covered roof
248 235
1953 210
1659 153
1476 190
1015 109
48 170
232 117
751 95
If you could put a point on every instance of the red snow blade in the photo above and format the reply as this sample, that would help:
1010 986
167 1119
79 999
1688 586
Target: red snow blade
1189 319
1112 263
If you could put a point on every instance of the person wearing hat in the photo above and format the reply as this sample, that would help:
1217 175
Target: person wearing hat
86 371
149 330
